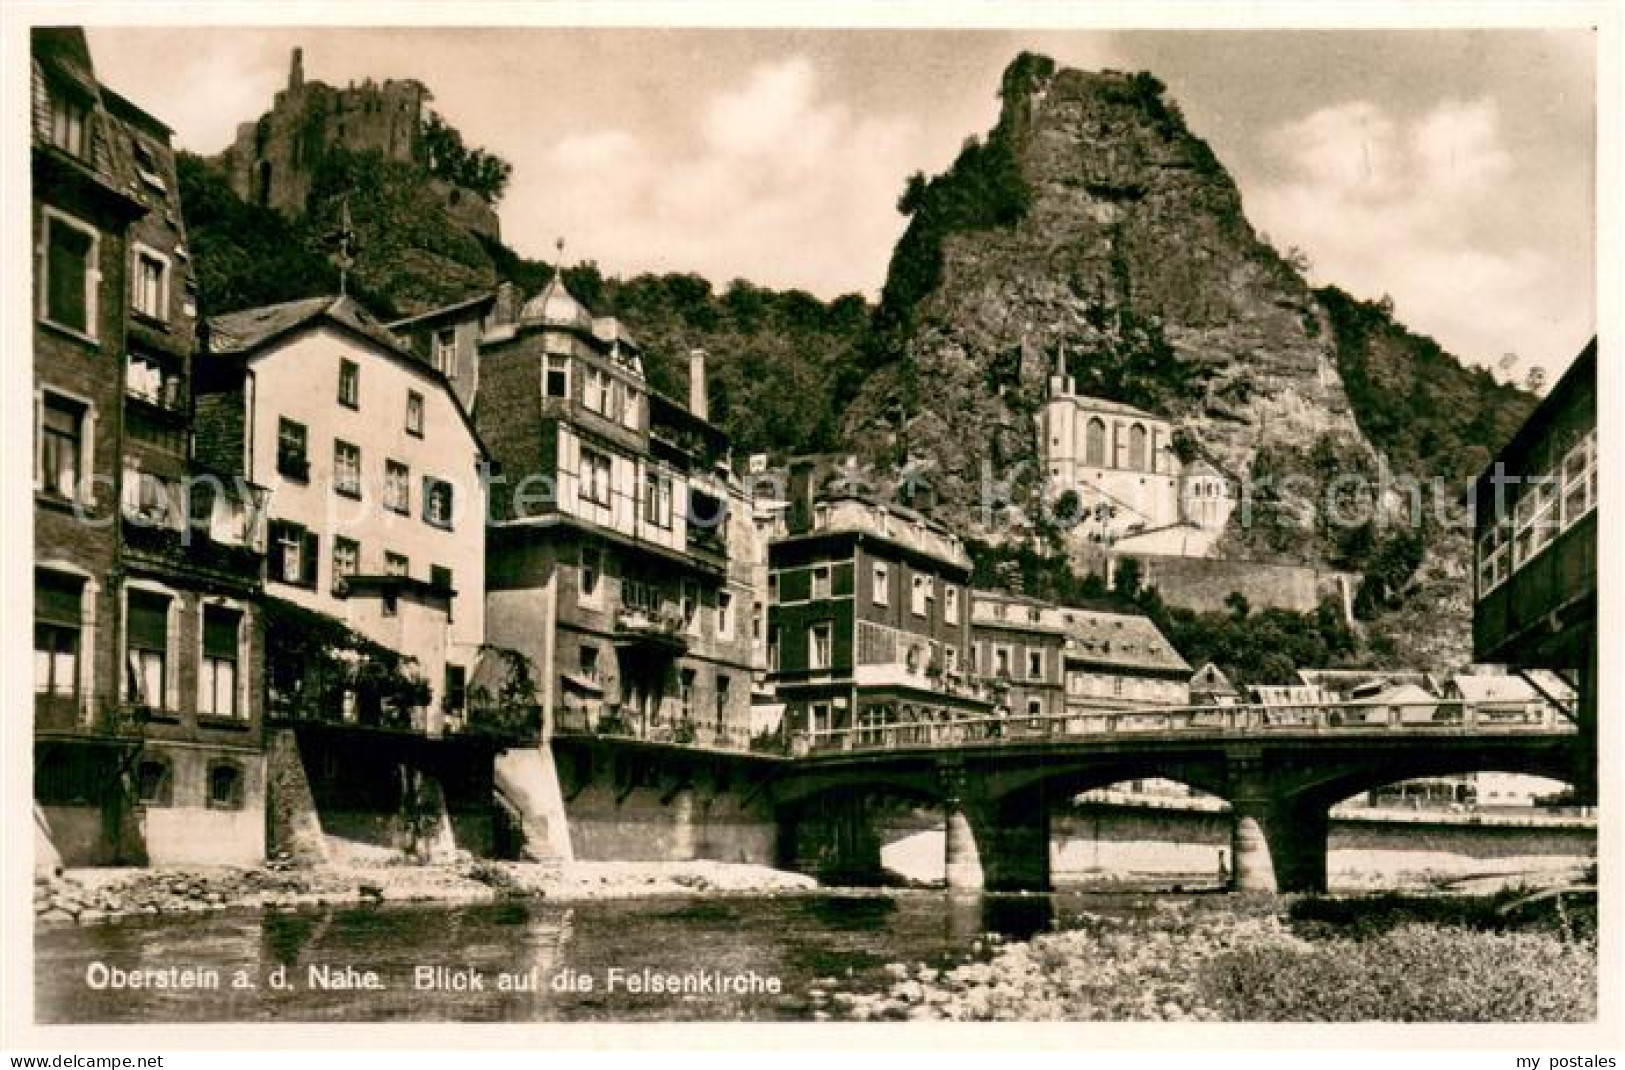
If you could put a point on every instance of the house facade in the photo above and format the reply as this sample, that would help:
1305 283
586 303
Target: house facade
869 621
193 541
620 539
85 740
1536 538
1046 659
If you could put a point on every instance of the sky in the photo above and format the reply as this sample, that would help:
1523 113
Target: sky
1452 170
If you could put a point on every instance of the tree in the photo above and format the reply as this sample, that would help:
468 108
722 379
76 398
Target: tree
1238 605
474 169
1535 380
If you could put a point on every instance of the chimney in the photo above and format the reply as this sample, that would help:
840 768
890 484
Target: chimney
296 70
698 402
505 309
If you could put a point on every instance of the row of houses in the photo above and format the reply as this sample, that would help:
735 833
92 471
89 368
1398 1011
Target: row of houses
297 567
307 581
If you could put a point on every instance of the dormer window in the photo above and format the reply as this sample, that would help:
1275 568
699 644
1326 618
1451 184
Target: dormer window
69 119
445 351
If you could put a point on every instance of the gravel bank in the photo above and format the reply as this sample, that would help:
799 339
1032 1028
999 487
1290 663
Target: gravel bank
85 896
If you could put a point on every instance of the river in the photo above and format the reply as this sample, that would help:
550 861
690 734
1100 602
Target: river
840 941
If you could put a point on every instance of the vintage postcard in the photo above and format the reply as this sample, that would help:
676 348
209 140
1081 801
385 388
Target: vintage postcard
567 522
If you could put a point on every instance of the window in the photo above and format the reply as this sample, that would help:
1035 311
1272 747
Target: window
1035 664
633 409
724 690
773 588
1579 480
414 413
821 515
595 477
657 499
349 384
225 781
1136 448
950 659
556 378
595 394
756 622
347 469
154 782
146 165
685 693
1001 662
1494 551
61 446
291 460
152 500
1117 686
396 564
440 579
445 352
1094 449
437 502
57 601
592 568
880 588
146 630
773 648
70 274
149 284
725 615
346 561
818 646
950 610
217 676
69 117
1035 709
397 488
920 596
820 582
589 663
293 554
690 604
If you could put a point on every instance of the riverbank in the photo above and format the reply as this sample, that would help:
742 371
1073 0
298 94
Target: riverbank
86 896
1232 958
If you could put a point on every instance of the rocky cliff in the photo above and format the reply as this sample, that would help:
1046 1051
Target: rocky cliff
1121 243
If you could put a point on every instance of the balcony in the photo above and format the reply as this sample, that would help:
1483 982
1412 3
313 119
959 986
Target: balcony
658 631
191 547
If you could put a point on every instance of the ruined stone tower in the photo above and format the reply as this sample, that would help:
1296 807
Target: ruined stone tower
273 160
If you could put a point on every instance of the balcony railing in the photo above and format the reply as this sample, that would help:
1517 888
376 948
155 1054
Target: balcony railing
1350 718
660 629
190 547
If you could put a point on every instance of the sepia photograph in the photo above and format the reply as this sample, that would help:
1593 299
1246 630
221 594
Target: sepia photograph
697 523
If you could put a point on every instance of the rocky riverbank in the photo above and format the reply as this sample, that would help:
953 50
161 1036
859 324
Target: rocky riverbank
1232 959
86 896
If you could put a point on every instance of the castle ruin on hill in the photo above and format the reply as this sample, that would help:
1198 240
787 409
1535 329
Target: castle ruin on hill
273 161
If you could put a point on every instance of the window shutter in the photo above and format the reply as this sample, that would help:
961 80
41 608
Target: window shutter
220 631
148 624
307 558
57 597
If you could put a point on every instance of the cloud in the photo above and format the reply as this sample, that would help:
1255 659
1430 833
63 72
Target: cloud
1384 205
768 179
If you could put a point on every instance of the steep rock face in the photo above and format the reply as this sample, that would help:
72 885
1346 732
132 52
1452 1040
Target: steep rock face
1133 258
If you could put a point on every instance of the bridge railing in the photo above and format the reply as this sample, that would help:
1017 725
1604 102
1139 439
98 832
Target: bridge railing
1339 718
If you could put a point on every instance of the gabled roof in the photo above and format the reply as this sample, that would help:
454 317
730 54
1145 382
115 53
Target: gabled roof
246 331
1211 680
239 335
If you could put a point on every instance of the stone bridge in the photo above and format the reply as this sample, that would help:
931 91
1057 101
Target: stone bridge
997 780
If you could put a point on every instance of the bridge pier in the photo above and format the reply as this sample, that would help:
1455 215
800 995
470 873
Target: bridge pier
837 844
1277 845
1015 847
